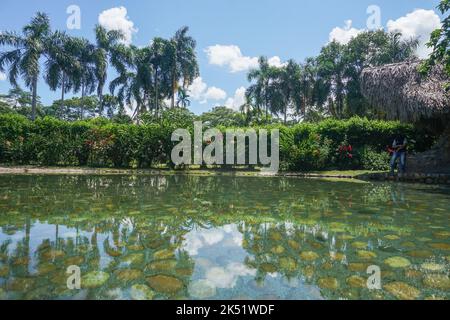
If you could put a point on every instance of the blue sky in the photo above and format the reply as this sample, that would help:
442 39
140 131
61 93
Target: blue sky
230 33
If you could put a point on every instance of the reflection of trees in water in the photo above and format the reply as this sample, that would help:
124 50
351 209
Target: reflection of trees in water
124 217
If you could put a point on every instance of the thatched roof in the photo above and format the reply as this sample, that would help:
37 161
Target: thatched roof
402 93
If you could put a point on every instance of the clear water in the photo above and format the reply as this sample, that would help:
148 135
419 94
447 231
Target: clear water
193 237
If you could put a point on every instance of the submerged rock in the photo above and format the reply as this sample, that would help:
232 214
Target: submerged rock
128 274
356 282
268 267
328 283
288 264
391 237
420 253
357 267
293 244
162 265
437 281
402 291
165 284
309 256
434 267
202 289
277 249
141 292
337 256
397 262
94 279
440 246
366 255
21 284
163 254
359 245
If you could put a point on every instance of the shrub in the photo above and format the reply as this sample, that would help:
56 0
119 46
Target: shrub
331 144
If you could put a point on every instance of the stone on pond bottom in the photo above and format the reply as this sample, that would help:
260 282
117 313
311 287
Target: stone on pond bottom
165 284
94 279
437 281
328 283
397 262
309 256
356 282
402 291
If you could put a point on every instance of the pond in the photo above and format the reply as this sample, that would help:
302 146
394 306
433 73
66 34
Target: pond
221 237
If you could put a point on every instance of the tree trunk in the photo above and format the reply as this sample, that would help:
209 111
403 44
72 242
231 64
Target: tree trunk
285 115
63 87
34 99
83 95
156 93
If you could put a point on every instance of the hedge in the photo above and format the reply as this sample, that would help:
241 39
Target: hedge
331 144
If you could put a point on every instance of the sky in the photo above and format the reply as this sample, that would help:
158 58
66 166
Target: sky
230 34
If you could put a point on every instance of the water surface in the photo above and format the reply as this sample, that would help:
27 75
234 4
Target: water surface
192 237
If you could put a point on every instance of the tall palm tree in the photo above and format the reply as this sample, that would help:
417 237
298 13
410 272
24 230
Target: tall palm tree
134 80
27 51
63 68
185 65
106 42
260 91
289 79
162 58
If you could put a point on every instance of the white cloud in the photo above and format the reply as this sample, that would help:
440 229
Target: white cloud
117 19
344 35
2 76
231 56
214 93
276 62
417 24
238 100
200 91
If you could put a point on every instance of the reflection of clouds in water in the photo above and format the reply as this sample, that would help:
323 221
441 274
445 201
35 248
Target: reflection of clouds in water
226 277
201 238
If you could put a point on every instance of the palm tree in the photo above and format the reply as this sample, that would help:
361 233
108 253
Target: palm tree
134 82
289 86
63 67
183 98
28 49
162 55
185 65
259 92
106 42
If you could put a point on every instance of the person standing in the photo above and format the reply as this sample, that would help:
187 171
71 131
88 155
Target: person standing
399 147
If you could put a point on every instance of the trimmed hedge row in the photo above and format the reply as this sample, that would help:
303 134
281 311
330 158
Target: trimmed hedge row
98 142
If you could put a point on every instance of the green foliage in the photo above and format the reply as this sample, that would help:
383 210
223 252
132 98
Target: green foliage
374 160
101 142
440 42
222 116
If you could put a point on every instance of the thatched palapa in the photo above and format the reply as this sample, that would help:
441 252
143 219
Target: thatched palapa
402 93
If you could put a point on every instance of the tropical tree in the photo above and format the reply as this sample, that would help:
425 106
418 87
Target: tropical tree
440 41
105 51
24 57
183 98
63 68
184 66
259 93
